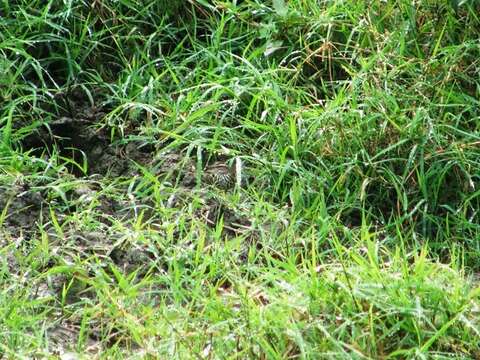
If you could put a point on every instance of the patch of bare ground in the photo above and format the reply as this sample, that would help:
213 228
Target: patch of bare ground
48 209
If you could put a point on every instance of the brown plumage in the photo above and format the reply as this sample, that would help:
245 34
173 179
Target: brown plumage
220 175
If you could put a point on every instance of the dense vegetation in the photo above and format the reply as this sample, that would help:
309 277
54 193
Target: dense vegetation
240 179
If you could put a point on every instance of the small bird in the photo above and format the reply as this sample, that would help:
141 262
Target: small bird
220 175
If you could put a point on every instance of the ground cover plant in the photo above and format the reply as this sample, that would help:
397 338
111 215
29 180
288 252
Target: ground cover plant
240 179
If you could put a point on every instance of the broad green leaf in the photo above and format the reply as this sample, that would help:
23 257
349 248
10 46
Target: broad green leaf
280 7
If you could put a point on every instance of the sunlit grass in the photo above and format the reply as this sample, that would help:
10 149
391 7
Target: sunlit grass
351 228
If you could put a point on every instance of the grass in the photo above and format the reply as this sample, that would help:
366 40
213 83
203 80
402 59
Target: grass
350 135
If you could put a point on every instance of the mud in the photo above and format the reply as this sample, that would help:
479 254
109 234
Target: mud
21 210
90 150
